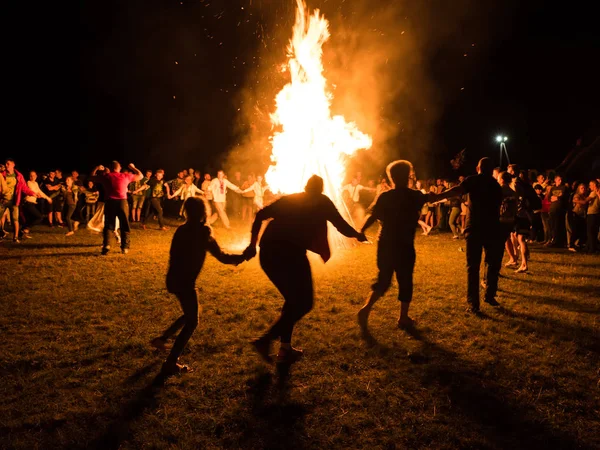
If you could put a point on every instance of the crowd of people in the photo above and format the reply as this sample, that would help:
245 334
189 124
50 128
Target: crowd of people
494 211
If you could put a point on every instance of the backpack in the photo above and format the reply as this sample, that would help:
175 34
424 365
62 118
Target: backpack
508 210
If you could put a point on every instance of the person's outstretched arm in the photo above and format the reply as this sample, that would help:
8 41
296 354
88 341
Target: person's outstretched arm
221 256
334 216
370 221
456 191
262 215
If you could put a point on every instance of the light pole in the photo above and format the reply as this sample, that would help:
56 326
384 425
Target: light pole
502 141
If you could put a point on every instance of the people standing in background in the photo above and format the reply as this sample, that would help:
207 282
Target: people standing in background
32 209
91 195
558 196
71 194
593 217
157 188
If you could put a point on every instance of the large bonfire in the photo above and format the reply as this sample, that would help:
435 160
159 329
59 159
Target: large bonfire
308 139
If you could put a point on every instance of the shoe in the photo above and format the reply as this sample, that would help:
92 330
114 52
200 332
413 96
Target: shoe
406 324
473 309
124 251
160 344
521 270
289 356
70 233
263 348
492 302
105 250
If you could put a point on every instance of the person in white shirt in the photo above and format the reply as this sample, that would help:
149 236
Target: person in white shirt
187 190
31 209
218 188
351 193
259 192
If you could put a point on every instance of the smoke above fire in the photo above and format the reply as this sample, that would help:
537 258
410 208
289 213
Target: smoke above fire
376 66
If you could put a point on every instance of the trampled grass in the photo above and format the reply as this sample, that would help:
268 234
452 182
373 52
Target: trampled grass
77 370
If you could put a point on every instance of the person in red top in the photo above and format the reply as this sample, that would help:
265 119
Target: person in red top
115 184
299 223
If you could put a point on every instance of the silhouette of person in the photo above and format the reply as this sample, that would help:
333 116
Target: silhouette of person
190 243
299 223
398 210
482 232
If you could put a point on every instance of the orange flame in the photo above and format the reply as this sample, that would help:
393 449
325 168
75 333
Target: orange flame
309 141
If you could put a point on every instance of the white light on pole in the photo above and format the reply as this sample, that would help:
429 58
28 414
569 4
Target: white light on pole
502 141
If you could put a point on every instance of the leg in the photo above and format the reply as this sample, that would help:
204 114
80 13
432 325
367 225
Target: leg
110 218
385 264
124 228
189 304
404 276
453 216
220 207
493 258
15 220
474 247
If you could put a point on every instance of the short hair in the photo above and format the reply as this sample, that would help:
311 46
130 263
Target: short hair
9 160
115 165
314 185
399 171
506 177
160 171
485 165
515 167
538 186
195 209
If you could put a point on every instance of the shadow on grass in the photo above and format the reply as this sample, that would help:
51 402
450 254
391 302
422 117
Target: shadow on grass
496 419
36 246
275 421
561 303
52 255
119 430
545 327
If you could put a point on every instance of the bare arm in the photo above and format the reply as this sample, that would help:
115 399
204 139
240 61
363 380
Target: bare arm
221 256
456 191
137 174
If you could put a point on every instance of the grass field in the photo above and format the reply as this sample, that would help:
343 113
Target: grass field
77 370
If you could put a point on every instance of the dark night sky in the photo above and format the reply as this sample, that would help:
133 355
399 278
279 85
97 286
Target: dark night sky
532 75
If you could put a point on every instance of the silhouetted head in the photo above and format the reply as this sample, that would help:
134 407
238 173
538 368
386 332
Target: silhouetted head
399 171
485 166
314 185
115 166
505 178
195 210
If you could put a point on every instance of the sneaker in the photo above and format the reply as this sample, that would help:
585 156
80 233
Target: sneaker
492 302
289 356
105 250
263 348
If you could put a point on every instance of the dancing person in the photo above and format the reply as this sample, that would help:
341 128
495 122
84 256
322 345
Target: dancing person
32 210
51 186
299 223
558 195
138 196
12 194
259 192
508 216
157 188
398 210
528 201
188 250
482 232
186 191
218 188
424 210
71 195
115 205
91 195
454 206
351 193
248 198
593 217
578 231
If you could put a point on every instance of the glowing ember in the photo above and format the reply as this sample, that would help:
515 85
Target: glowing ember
309 140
